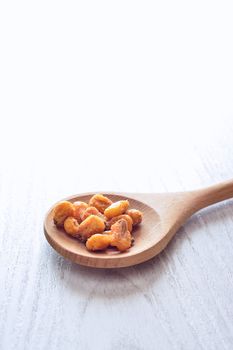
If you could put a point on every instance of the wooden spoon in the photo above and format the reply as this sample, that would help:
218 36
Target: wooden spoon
163 215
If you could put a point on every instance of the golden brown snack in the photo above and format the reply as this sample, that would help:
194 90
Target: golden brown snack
116 209
61 211
100 202
135 215
116 218
100 225
121 237
71 226
91 225
98 242
108 232
91 211
79 208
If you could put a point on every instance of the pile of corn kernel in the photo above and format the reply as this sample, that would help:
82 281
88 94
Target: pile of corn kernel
100 223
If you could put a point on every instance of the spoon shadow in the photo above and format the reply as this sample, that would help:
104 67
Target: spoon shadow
125 282
101 283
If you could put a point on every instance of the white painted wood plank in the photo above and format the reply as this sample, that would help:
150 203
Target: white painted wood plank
125 97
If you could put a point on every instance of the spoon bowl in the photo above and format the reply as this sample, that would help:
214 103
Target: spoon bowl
163 215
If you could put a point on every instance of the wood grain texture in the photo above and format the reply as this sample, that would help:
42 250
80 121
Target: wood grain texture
163 215
126 97
182 299
77 252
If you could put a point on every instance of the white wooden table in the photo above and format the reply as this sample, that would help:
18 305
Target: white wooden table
116 97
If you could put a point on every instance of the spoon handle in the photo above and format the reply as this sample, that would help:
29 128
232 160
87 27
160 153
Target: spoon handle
213 194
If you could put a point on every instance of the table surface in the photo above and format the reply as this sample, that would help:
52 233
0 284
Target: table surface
124 97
